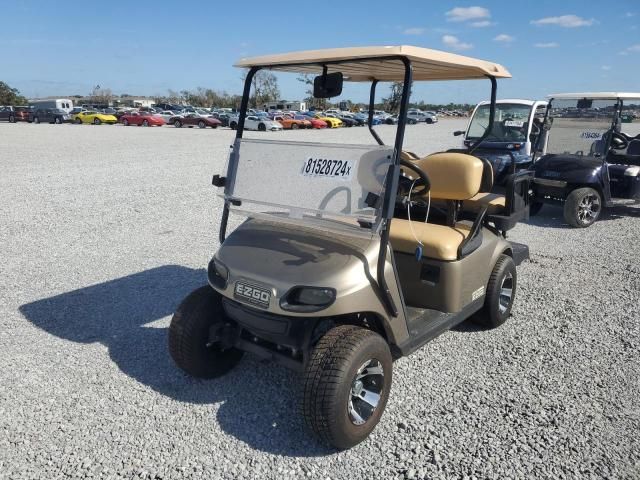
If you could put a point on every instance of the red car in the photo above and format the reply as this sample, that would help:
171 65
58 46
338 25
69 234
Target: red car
193 119
315 122
141 118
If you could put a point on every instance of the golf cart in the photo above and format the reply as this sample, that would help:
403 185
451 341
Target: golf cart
516 127
339 267
584 159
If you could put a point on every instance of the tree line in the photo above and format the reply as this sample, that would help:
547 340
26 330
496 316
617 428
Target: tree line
264 87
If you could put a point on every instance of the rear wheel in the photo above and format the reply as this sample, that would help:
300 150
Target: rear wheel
190 334
429 121
294 126
582 207
125 122
177 124
12 119
501 290
36 120
262 127
145 123
77 121
201 124
97 121
57 121
233 125
346 385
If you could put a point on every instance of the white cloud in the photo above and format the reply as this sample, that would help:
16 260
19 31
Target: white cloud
546 45
455 43
632 49
504 38
413 31
566 21
462 14
606 67
630 14
482 23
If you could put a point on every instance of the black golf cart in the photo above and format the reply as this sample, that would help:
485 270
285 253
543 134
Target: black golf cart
588 155
340 267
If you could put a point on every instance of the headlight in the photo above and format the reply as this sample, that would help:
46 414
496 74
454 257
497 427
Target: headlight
308 299
218 274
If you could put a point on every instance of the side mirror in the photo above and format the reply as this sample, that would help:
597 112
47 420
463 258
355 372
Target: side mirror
457 133
327 85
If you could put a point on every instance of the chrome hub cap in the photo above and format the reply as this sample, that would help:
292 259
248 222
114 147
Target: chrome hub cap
588 209
506 293
366 389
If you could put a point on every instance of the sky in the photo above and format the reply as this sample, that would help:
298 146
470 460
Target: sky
65 48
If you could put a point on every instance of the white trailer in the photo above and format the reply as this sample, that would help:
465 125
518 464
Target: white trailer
58 103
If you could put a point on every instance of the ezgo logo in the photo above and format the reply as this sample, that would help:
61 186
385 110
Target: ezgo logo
251 294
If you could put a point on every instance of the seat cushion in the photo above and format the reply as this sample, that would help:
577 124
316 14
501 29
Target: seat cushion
438 241
494 202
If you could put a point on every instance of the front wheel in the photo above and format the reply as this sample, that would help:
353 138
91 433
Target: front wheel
262 127
145 123
57 121
190 336
177 124
125 122
582 207
78 121
201 124
346 385
233 125
501 290
36 120
97 121
12 119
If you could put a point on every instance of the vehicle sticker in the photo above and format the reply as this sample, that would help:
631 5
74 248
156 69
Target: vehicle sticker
590 135
328 168
477 294
514 123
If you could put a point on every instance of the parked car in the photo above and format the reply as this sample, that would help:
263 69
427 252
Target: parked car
166 115
94 117
315 122
262 124
15 114
290 123
144 119
75 110
332 122
194 120
417 116
305 121
49 115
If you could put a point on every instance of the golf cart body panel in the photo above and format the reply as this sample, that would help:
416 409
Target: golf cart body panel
578 149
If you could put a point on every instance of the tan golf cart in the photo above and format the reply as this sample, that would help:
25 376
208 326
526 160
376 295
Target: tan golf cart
342 265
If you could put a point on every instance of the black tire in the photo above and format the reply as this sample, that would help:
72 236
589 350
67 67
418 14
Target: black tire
201 124
233 125
12 119
497 305
329 380
294 126
36 120
97 121
429 121
582 207
262 127
77 121
145 123
125 122
57 121
177 124
534 208
189 334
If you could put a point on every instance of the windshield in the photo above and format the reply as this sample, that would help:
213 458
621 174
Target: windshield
579 127
311 183
510 123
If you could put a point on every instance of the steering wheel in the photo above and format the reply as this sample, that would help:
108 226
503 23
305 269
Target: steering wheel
619 141
421 185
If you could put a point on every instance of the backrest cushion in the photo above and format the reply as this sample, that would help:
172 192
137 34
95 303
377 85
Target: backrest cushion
634 148
453 176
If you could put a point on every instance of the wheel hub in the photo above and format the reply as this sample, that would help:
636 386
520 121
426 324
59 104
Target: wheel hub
366 390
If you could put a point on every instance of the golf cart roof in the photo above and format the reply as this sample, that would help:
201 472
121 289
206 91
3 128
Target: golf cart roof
366 63
594 95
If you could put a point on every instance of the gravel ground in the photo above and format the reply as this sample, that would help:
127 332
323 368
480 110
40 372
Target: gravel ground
105 229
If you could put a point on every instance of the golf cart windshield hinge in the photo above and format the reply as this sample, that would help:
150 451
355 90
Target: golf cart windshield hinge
218 181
